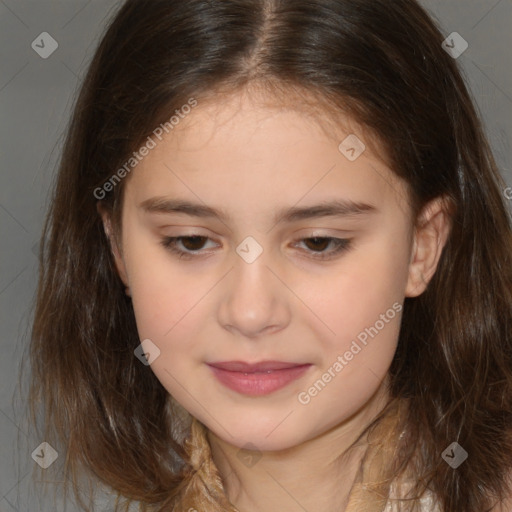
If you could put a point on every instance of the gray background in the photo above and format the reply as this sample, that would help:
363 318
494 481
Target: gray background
36 96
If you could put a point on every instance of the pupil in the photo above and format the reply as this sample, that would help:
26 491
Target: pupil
322 241
186 242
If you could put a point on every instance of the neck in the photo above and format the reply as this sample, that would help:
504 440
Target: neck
316 475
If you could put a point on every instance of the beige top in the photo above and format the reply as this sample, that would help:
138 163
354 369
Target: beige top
375 487
427 502
361 500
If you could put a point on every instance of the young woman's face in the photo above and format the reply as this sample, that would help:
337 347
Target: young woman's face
306 262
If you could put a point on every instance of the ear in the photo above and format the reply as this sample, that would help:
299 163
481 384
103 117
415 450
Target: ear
430 236
116 251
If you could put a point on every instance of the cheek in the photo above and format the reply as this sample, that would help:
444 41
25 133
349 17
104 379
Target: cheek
171 309
164 291
362 304
169 304
365 287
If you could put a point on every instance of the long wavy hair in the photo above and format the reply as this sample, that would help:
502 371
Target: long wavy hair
383 64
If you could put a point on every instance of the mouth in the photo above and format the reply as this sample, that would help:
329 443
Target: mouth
256 379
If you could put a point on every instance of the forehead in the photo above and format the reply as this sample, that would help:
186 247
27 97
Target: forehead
254 104
247 150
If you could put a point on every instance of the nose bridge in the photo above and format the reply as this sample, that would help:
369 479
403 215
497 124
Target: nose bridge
255 300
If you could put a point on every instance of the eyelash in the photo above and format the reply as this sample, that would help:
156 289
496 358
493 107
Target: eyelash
341 245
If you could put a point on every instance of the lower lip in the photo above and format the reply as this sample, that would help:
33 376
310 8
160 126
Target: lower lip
257 384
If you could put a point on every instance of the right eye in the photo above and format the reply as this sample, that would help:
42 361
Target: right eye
191 243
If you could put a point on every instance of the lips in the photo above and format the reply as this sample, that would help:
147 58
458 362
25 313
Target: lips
256 379
261 367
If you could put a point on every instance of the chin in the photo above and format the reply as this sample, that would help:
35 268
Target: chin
265 444
261 436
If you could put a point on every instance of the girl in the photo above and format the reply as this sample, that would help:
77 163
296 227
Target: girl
277 270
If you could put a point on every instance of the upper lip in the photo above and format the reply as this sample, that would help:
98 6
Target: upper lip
262 366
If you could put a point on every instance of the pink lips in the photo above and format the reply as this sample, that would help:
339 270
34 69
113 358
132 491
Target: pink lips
257 378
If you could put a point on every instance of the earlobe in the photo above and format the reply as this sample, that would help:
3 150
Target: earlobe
430 237
118 258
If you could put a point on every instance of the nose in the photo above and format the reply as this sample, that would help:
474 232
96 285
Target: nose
255 302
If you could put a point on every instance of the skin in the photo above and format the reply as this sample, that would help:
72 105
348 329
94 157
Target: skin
251 159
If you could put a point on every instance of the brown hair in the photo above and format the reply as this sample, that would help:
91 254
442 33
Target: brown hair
382 63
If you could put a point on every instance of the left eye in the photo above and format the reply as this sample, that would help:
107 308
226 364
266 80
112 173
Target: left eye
194 243
320 242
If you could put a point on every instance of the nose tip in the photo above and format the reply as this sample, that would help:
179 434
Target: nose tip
253 333
252 305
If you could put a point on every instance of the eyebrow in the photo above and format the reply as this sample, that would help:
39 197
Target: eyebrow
334 208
